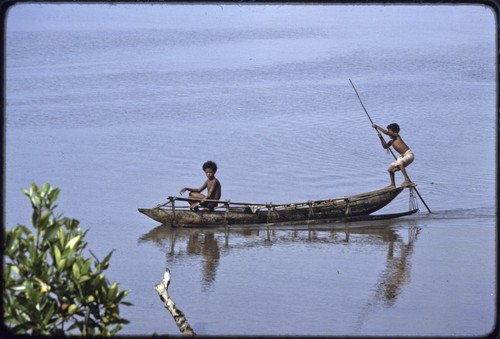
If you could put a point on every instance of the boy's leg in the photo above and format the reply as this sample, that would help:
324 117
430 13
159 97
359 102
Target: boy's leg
192 203
407 179
407 159
392 168
391 174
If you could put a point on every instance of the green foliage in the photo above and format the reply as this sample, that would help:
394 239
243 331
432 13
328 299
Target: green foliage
50 288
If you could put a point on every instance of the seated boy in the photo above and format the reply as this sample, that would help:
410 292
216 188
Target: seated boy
212 185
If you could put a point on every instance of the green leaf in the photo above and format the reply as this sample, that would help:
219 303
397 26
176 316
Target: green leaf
76 270
72 309
61 265
48 312
46 188
32 293
15 269
50 232
24 230
83 278
19 288
86 266
32 252
43 221
54 194
73 242
62 237
105 262
57 255
113 291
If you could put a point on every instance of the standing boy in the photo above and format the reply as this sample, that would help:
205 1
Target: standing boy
406 155
212 185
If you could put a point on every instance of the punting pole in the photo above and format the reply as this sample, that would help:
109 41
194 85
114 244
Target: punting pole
368 115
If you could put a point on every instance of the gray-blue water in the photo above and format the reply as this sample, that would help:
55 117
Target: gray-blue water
119 106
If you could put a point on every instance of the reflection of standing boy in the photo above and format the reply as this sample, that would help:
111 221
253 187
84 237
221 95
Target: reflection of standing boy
212 185
406 155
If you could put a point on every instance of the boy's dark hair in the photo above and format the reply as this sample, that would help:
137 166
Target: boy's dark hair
210 164
394 127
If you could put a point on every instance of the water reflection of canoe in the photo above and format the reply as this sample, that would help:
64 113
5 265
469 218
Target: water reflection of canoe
350 208
183 245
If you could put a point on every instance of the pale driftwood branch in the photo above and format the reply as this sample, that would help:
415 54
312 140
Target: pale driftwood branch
179 318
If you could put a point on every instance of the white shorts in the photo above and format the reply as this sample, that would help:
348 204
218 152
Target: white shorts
404 160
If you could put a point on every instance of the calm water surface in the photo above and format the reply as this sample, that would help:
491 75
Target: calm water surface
120 105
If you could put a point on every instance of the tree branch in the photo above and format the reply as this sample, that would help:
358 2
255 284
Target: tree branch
179 318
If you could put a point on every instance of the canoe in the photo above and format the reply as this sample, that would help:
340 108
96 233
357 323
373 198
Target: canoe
349 208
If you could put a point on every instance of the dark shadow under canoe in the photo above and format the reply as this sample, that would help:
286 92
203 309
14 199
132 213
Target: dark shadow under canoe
350 208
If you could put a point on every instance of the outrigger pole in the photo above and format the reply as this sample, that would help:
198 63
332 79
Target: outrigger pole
368 115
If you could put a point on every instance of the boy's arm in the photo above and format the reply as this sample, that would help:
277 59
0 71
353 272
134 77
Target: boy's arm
202 187
385 145
184 189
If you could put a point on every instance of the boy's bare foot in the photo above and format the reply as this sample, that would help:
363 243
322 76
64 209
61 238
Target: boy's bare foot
406 183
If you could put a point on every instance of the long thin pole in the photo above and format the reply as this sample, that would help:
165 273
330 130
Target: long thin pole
369 118
361 102
368 115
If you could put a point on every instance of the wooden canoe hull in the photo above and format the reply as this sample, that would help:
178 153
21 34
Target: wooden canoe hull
346 208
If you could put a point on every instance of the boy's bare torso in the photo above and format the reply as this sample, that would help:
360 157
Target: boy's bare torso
399 145
213 189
